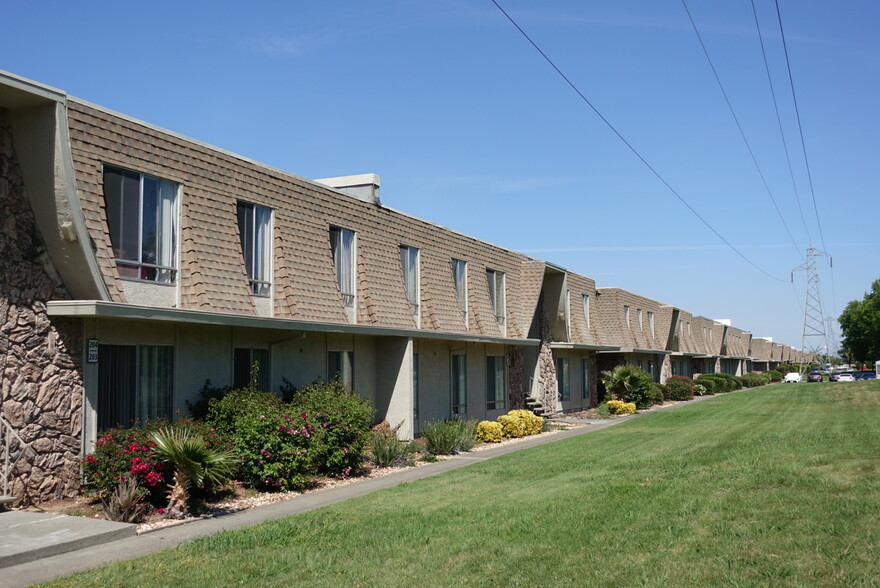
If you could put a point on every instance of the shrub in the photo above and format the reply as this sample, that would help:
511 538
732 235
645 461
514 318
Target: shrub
342 420
721 383
322 431
199 409
489 432
679 388
532 423
448 437
658 393
712 386
753 380
774 375
512 426
700 390
272 447
629 384
602 409
619 407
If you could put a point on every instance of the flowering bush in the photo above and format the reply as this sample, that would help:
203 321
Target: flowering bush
323 430
489 432
512 426
700 390
620 407
532 423
129 454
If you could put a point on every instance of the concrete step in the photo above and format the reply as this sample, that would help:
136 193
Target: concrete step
29 536
5 499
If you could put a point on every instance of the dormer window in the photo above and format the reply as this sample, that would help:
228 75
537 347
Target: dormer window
496 295
459 278
142 221
254 229
342 245
585 298
409 260
626 314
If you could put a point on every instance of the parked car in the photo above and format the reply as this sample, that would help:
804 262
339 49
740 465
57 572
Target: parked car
857 375
791 378
814 376
866 376
846 377
832 377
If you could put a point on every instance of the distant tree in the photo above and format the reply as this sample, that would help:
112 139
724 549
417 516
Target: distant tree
860 325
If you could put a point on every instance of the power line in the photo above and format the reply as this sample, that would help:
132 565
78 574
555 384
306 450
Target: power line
629 145
738 125
779 121
800 127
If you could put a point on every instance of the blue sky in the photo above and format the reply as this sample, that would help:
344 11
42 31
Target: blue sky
470 128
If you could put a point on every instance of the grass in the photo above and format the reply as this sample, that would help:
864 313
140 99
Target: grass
776 486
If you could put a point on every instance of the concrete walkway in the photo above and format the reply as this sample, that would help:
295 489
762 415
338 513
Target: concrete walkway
38 547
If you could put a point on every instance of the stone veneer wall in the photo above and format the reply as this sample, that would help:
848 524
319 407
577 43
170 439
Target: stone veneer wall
41 386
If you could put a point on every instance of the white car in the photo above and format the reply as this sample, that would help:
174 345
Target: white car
846 378
792 378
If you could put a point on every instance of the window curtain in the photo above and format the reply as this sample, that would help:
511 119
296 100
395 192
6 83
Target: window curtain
262 246
156 382
167 228
342 244
460 275
409 258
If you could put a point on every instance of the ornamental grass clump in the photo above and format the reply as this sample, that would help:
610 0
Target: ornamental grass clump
489 432
385 449
620 407
449 437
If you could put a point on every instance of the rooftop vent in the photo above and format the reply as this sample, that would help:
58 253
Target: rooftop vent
363 187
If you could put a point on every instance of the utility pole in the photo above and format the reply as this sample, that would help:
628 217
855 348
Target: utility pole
815 338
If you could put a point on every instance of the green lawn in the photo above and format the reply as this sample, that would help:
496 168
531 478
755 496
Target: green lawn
773 486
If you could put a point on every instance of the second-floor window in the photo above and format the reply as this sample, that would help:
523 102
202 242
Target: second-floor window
342 247
496 295
409 260
254 228
586 302
142 220
651 322
626 315
459 276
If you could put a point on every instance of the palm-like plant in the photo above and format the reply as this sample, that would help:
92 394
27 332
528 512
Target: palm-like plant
194 463
628 383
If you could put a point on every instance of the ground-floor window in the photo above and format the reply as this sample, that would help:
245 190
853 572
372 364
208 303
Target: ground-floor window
585 369
562 378
340 364
251 367
135 383
496 383
459 384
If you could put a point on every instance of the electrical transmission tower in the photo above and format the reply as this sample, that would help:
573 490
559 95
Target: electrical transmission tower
815 338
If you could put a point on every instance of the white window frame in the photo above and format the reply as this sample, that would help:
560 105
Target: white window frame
343 247
410 262
459 279
255 232
160 264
